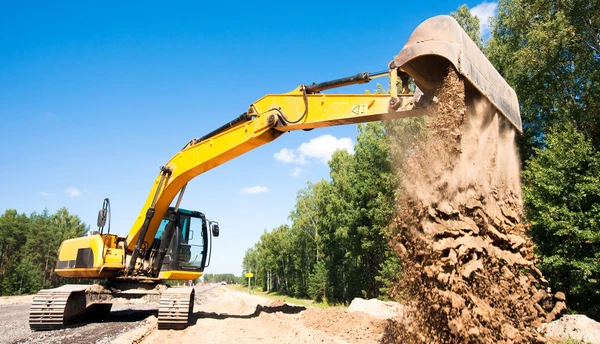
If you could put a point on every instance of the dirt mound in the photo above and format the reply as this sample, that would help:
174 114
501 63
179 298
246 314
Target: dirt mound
578 327
277 303
97 289
353 327
377 308
468 265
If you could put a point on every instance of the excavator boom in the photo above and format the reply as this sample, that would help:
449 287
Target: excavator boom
435 45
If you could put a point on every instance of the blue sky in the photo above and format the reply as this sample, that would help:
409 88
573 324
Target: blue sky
95 96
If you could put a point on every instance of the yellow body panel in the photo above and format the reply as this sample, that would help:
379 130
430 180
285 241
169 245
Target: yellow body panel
113 258
88 273
69 248
88 257
179 275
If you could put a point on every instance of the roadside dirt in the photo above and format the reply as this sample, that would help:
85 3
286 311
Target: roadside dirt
225 315
221 315
228 316
467 260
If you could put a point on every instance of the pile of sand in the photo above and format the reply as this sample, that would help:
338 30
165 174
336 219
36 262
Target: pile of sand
578 327
353 327
377 308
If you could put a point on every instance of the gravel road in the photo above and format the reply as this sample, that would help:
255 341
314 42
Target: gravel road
14 323
221 315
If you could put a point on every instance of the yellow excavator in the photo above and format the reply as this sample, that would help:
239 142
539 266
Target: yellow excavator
170 243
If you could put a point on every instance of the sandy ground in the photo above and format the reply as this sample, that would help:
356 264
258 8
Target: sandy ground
221 315
15 300
229 316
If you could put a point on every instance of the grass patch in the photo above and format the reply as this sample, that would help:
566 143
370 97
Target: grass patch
569 340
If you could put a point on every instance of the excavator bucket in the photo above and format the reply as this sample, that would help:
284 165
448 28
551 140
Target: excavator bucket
439 42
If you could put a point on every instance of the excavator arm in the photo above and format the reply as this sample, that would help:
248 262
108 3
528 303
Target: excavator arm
435 45
267 119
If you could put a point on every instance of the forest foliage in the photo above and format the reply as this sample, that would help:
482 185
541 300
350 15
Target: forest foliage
335 248
29 246
228 278
562 193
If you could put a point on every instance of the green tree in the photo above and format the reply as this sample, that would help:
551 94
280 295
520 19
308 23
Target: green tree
336 247
549 52
29 246
227 278
374 182
562 195
13 235
318 282
305 218
469 23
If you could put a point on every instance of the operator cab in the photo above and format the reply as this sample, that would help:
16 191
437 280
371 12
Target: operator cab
191 241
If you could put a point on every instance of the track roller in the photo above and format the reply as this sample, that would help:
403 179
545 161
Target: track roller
54 308
175 308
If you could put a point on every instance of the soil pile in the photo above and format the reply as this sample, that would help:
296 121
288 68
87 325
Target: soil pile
377 308
578 327
352 327
467 263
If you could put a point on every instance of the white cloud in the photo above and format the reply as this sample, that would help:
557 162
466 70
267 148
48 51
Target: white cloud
296 172
254 190
320 148
288 156
45 194
72 192
484 11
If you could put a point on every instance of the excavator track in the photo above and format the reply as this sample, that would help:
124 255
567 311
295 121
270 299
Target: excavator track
54 308
175 308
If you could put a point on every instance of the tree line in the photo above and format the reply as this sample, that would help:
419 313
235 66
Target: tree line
227 278
29 246
549 51
336 247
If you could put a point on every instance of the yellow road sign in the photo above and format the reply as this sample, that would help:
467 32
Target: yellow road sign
249 275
